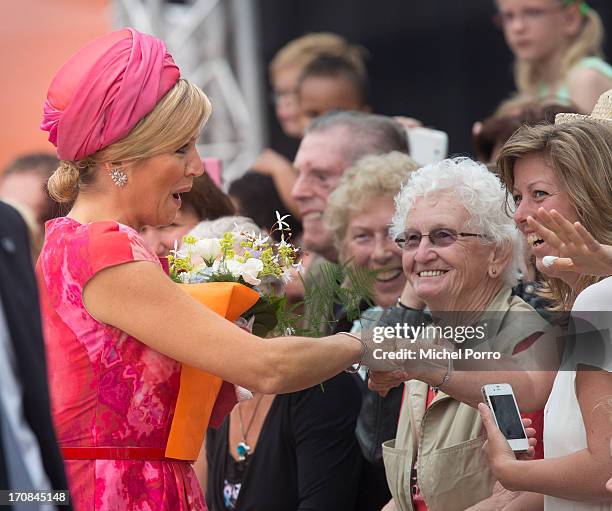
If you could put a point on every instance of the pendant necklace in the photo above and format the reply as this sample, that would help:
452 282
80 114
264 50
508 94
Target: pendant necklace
243 449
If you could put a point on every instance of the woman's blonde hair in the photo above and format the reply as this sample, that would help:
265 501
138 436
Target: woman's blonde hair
371 177
175 120
580 155
587 43
302 51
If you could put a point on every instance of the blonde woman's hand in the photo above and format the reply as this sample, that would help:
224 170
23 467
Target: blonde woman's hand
387 351
579 252
380 351
382 382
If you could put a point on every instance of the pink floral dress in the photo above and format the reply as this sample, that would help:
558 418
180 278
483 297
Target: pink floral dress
107 389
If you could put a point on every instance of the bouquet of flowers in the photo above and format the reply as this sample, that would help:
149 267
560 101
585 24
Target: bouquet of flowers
247 258
239 275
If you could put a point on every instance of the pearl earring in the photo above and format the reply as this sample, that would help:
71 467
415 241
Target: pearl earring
118 176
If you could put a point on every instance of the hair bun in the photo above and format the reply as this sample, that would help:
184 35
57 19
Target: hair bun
64 182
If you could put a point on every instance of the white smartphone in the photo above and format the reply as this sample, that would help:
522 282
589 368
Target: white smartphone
427 145
500 398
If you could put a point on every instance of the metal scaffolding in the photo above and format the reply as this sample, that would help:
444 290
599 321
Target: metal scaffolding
215 43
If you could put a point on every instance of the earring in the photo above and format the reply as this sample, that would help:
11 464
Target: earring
493 272
118 176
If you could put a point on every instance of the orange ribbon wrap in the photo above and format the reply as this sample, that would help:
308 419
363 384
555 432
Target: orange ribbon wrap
198 389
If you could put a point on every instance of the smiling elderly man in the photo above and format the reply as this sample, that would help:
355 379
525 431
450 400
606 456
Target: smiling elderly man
332 143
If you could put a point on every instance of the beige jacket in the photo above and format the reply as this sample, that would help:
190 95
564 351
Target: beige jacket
445 440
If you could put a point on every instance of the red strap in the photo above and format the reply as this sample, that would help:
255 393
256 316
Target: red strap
113 453
226 400
526 343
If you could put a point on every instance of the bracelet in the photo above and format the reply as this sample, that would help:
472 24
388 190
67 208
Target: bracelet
364 349
447 376
404 306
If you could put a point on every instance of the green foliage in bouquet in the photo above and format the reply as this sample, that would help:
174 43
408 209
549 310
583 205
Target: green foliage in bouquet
335 285
271 316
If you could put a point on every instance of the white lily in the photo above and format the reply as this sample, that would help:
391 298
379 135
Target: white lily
286 276
280 221
259 241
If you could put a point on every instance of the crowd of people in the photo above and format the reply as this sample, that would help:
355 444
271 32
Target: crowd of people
97 341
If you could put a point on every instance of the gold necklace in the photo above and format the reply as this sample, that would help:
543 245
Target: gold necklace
243 449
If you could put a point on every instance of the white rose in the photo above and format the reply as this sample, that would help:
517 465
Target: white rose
249 271
208 249
232 266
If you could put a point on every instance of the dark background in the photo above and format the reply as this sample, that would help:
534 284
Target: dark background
441 61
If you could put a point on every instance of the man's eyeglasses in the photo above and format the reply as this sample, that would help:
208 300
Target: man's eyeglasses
443 237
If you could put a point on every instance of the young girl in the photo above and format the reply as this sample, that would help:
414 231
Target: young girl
558 49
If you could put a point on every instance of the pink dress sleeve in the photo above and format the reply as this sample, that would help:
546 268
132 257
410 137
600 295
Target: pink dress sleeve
110 244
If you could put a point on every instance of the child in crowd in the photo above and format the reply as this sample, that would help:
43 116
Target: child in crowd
557 45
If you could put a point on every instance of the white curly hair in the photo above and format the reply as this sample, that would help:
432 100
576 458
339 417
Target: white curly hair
215 228
480 191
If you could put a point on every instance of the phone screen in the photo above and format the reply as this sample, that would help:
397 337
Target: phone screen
508 419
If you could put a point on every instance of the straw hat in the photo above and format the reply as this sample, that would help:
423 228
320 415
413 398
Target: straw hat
601 113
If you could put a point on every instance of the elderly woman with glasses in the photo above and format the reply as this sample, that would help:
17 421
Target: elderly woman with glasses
461 253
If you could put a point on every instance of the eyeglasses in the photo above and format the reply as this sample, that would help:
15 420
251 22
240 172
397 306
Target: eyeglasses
529 16
438 237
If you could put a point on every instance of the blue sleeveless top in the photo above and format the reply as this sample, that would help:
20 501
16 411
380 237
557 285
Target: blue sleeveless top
562 93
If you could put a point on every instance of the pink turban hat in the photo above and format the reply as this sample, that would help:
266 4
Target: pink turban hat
101 93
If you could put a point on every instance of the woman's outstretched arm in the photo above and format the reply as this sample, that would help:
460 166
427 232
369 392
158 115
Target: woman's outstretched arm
142 301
